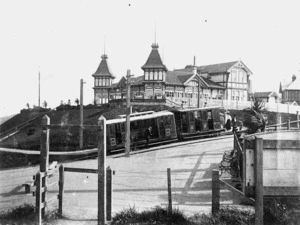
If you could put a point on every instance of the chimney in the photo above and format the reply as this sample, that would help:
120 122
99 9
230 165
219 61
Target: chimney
194 66
294 78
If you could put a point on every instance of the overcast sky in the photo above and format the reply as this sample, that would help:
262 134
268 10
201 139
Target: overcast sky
64 40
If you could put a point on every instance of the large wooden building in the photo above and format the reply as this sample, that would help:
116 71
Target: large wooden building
219 81
290 91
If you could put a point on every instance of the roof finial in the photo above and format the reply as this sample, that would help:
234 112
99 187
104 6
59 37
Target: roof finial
104 45
155 32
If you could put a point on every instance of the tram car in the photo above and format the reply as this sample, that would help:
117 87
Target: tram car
162 124
198 122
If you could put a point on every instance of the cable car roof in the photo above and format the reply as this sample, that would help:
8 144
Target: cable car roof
195 109
141 117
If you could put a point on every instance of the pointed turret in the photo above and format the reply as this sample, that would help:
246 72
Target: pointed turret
154 61
103 79
103 69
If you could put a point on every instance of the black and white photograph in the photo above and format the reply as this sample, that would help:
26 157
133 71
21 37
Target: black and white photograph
135 112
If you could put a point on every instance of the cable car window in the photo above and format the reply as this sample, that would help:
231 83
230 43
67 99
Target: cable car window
199 114
161 122
204 115
184 118
177 116
112 129
168 120
191 117
140 123
209 116
195 114
123 127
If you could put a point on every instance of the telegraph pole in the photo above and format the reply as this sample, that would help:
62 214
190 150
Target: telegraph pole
39 89
81 115
127 144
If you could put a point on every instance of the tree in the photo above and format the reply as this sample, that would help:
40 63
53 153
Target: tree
69 102
77 101
28 105
61 102
45 104
255 118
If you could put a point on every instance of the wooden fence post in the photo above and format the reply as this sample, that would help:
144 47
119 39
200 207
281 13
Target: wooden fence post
108 193
258 175
44 156
102 172
169 191
289 123
297 118
215 192
61 189
38 198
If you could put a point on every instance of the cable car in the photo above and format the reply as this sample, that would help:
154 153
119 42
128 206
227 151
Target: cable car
195 122
162 123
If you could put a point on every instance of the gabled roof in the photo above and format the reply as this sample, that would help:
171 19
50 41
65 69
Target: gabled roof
103 68
294 85
216 68
265 94
154 61
137 80
178 77
211 84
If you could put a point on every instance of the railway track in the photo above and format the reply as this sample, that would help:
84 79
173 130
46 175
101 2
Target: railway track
90 153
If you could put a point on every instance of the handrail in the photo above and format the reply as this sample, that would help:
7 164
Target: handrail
239 147
281 124
172 102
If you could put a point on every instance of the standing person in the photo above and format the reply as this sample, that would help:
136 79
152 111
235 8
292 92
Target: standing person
228 124
234 125
148 134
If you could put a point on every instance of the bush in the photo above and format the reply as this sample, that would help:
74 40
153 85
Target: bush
157 215
227 215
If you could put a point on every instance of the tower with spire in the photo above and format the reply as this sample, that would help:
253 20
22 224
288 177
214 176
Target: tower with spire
154 73
103 79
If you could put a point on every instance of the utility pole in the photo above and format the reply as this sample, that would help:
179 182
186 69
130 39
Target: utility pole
127 144
39 89
198 79
81 115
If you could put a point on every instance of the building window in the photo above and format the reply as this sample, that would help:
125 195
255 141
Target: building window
155 75
151 75
146 75
160 75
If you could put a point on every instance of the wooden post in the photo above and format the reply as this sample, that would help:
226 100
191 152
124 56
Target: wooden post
81 116
108 193
297 118
61 190
215 192
280 121
258 175
102 172
169 191
38 197
289 123
44 156
127 143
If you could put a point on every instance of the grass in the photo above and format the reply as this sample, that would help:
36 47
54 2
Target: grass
159 215
25 214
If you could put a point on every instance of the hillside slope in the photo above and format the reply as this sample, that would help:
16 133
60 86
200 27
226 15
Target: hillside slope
64 139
